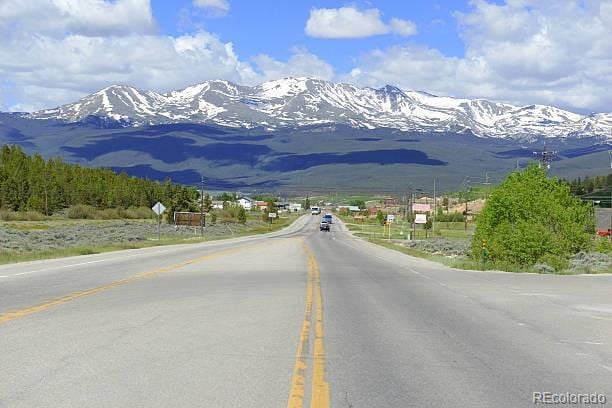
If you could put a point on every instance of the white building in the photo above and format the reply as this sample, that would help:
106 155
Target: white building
245 202
295 207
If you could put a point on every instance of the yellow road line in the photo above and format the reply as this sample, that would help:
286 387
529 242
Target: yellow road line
298 382
320 388
16 314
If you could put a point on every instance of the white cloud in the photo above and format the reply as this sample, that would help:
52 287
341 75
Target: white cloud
220 6
84 17
523 51
401 27
50 70
301 63
345 22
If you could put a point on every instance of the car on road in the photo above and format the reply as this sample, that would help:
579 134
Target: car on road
315 210
324 226
328 218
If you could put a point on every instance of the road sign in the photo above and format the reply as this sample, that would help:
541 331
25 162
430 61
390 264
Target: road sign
272 215
158 208
420 219
390 217
421 207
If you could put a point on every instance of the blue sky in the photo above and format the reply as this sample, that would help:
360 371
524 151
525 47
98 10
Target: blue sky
523 52
274 27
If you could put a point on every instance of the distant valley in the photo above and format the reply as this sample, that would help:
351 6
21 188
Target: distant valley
309 135
308 159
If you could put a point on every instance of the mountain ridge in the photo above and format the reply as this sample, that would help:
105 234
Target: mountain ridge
298 102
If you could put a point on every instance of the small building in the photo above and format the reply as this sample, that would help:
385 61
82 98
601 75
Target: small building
261 205
245 202
390 201
373 210
217 205
294 207
281 205
349 208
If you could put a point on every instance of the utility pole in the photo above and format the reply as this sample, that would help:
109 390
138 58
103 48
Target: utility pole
412 216
202 222
465 218
545 157
433 222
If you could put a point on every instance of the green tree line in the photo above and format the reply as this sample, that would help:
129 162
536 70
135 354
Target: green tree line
587 185
31 183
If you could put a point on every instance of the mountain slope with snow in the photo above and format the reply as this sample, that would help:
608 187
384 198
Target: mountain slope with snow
296 102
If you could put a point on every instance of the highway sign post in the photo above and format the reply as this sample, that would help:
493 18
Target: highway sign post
271 216
158 209
390 219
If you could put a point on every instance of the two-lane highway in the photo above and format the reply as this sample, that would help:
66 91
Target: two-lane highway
295 318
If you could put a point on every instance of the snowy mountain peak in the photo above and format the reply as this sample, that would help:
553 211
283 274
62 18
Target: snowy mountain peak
304 101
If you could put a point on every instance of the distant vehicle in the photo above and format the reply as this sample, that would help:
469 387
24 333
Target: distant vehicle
604 233
315 210
324 226
328 218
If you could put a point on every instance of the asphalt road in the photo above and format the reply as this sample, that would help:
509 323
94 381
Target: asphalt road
295 318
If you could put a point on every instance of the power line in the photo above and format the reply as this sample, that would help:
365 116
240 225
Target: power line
545 157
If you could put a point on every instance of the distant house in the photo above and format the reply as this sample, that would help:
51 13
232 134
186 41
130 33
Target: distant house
246 202
261 205
217 205
281 205
295 207
349 208
373 210
389 201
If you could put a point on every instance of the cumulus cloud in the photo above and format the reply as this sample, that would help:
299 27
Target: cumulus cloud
522 51
301 63
401 27
350 22
85 64
84 17
54 52
345 22
219 6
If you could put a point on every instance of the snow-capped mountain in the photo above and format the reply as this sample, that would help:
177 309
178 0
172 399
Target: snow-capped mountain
294 102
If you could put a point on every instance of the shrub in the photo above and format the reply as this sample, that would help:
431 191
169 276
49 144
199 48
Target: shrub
603 245
529 216
21 216
558 263
242 217
81 212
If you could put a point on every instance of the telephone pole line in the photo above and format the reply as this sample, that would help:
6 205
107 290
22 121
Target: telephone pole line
202 209
545 157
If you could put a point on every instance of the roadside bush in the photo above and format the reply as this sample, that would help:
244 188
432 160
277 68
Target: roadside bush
242 216
558 263
543 268
530 216
82 212
603 245
452 217
380 217
21 216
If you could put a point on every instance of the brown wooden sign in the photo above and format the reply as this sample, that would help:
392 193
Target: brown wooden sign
190 219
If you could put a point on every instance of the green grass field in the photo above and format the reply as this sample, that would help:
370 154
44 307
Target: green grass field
223 231
401 230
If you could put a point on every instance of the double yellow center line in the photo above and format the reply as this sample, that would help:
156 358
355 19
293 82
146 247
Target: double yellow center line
319 389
